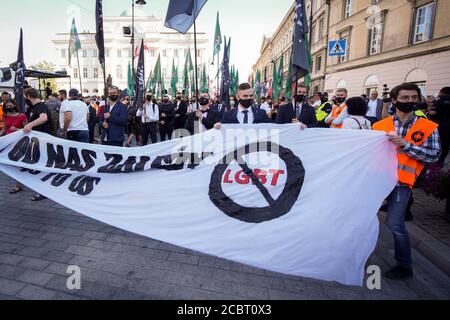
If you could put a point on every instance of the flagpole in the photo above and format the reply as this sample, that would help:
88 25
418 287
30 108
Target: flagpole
218 73
196 70
79 72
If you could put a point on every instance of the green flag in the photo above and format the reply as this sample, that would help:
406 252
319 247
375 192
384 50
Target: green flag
274 82
280 76
289 80
237 80
258 85
203 86
157 78
74 42
130 81
174 80
150 86
189 63
217 37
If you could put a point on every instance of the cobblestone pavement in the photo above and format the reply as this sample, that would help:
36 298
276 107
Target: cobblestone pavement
38 241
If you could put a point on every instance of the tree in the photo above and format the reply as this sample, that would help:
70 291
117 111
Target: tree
46 67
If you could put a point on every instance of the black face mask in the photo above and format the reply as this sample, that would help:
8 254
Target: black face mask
340 100
113 98
9 110
246 103
178 98
149 98
28 102
166 101
323 100
300 98
406 107
203 101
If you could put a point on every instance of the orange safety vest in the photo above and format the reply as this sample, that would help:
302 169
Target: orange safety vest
409 169
1 116
337 110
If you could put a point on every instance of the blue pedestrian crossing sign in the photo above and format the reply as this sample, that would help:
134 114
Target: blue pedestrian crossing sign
337 48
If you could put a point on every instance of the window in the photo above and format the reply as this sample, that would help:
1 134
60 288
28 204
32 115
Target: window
423 23
321 26
164 73
186 52
313 34
319 64
348 8
130 52
119 53
95 53
107 52
164 52
347 54
175 53
119 72
199 53
85 72
95 72
63 53
152 52
375 36
84 53
75 73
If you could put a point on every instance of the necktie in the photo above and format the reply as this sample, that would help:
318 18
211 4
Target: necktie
245 112
298 110
153 105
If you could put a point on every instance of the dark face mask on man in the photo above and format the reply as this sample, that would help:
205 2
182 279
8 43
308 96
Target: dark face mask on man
203 101
148 98
113 97
405 107
246 103
300 98
341 100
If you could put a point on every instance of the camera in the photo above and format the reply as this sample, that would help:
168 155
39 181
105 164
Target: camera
386 94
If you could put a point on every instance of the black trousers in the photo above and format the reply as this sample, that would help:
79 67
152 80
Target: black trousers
149 129
166 131
444 135
91 134
113 143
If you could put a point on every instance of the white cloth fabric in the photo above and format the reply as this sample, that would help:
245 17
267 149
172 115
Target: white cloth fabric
328 238
79 111
241 115
266 107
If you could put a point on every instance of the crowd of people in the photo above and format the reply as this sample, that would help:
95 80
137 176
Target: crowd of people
418 126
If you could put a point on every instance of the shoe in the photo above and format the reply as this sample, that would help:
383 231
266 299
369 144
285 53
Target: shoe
15 190
38 197
399 273
383 208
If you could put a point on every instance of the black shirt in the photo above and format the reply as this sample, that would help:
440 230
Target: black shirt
35 112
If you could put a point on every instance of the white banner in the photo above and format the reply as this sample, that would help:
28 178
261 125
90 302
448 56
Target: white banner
297 202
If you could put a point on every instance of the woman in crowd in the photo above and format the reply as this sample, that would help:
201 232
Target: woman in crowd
357 109
14 121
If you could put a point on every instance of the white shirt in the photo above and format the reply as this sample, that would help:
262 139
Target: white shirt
372 110
317 104
79 111
241 115
357 122
201 127
266 107
147 114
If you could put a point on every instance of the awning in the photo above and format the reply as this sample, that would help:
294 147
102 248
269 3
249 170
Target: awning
43 74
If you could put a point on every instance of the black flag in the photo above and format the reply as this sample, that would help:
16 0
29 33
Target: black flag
226 78
301 55
20 77
139 83
181 14
99 37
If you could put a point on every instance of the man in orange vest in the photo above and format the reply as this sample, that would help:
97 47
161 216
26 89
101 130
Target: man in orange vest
418 143
339 113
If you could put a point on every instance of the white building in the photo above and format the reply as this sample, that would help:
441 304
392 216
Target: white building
157 40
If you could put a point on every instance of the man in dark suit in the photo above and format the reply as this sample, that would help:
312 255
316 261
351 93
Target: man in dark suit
166 119
245 113
375 108
203 119
301 113
219 108
181 109
114 120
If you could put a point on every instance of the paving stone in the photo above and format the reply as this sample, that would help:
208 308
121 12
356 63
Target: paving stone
33 263
10 287
35 277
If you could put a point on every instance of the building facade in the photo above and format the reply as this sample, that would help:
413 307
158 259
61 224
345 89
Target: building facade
390 42
280 44
158 40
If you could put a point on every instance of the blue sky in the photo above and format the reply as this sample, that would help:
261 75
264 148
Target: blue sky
245 21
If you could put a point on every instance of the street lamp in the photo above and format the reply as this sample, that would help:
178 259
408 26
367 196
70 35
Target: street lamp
139 3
